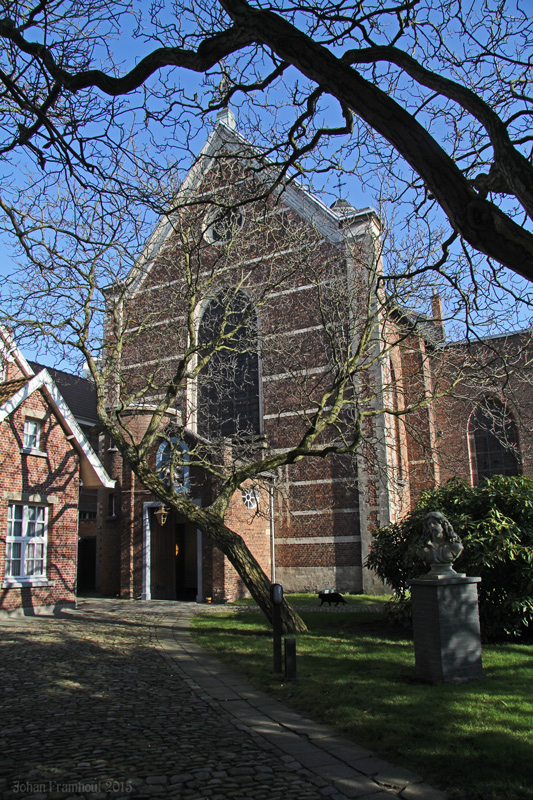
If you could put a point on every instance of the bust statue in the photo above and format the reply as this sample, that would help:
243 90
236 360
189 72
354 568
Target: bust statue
442 545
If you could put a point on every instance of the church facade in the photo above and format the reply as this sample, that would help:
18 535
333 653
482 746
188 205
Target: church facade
273 270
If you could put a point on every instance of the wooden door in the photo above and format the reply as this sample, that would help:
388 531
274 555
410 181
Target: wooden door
186 562
163 559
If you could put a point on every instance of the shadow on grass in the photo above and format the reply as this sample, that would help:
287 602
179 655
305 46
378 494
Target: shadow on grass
356 673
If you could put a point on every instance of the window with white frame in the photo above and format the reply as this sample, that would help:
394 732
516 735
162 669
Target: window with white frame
250 496
26 541
32 434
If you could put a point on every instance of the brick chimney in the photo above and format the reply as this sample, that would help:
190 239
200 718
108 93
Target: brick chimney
437 314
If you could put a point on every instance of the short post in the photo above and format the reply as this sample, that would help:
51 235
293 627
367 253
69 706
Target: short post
446 631
290 659
276 595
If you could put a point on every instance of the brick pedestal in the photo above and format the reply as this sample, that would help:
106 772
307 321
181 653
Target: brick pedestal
446 628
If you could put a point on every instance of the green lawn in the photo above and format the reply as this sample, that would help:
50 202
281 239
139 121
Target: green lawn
356 673
312 601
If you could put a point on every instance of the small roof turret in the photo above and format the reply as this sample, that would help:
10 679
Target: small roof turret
227 117
343 208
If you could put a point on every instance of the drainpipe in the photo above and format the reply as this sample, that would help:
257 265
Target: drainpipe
272 533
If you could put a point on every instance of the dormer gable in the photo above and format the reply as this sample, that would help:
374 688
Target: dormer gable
13 365
14 394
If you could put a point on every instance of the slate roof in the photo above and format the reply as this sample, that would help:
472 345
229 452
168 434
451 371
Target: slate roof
78 393
425 326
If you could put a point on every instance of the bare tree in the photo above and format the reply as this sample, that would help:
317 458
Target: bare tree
438 94
185 323
432 98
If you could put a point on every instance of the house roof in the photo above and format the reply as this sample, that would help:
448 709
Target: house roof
14 393
78 393
423 325
9 388
10 352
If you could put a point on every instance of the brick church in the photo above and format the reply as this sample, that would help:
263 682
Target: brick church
280 257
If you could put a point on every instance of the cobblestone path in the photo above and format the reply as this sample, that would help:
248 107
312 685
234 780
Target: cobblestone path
90 709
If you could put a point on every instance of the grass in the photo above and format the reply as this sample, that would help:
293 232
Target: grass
356 674
299 600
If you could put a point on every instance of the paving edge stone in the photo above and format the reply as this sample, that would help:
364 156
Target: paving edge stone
387 779
422 791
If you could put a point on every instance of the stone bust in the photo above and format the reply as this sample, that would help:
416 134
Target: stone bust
442 545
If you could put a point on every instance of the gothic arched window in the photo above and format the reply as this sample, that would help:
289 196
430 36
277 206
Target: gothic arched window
172 463
228 386
493 442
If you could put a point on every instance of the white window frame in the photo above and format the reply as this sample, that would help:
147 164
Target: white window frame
27 532
250 497
32 434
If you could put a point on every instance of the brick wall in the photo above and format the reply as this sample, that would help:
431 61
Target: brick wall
254 527
325 509
50 480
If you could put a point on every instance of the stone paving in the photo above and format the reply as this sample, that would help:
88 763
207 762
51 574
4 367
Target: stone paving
116 700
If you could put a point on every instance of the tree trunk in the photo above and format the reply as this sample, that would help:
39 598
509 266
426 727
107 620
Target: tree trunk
246 565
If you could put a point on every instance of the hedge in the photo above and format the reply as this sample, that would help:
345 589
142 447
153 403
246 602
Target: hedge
495 523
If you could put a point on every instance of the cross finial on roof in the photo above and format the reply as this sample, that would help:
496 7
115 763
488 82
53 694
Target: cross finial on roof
225 81
225 115
340 184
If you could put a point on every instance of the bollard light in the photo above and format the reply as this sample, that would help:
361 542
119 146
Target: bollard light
276 594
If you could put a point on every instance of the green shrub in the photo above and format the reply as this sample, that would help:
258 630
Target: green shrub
495 523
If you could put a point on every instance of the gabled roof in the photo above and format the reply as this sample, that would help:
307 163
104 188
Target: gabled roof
14 393
335 223
78 393
9 388
10 352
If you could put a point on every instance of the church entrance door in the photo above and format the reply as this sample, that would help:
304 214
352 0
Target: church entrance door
173 560
186 563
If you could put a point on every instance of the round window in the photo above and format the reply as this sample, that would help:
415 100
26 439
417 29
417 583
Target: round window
249 497
225 224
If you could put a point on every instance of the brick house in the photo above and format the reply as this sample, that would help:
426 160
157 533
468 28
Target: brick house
45 455
311 526
79 393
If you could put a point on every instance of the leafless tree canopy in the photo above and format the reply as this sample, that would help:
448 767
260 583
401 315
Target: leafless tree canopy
427 103
436 93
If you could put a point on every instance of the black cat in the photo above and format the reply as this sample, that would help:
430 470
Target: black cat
331 597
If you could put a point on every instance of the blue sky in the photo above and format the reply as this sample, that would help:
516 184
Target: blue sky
128 52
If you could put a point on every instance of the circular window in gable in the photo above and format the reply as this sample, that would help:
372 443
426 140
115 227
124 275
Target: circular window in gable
225 224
